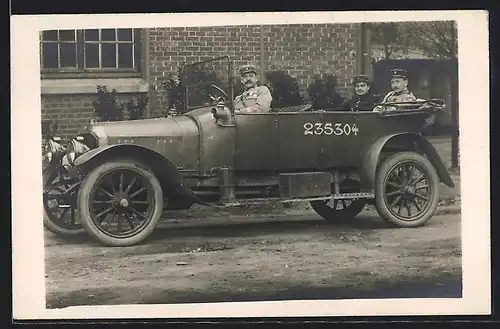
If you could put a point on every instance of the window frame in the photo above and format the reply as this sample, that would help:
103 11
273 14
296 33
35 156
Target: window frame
94 73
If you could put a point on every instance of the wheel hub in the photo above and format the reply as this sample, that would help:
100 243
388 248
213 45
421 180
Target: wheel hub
407 190
410 189
124 203
121 201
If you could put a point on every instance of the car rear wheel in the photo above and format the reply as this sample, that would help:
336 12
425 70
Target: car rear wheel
59 203
407 189
120 203
340 210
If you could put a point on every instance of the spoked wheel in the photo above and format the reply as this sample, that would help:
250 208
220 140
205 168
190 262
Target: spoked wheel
59 203
339 210
120 203
407 190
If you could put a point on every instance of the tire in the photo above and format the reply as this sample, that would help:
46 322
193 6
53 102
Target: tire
333 214
387 194
349 210
51 221
120 203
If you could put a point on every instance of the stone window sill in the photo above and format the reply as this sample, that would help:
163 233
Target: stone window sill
89 86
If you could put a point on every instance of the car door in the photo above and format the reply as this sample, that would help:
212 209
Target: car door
256 141
300 140
342 138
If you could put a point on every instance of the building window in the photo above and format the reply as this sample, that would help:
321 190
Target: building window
92 53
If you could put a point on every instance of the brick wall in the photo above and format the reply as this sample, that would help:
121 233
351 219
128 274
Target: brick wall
301 50
71 112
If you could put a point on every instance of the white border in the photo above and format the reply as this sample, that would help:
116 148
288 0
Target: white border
28 251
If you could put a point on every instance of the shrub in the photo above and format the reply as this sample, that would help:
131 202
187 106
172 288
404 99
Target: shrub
108 108
136 107
323 92
175 91
284 89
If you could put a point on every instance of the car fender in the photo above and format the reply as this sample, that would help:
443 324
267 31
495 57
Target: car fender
372 157
166 171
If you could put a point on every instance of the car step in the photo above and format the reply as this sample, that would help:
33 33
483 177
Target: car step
254 201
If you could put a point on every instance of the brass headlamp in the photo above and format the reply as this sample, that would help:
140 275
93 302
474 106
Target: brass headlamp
76 148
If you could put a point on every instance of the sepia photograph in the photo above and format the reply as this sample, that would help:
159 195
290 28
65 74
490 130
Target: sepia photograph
256 161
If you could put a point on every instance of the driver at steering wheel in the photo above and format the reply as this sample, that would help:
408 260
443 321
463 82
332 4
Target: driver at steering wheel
255 98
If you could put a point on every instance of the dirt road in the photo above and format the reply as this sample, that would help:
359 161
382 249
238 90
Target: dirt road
284 257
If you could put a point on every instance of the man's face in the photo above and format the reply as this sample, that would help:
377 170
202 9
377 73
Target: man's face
361 88
249 80
398 84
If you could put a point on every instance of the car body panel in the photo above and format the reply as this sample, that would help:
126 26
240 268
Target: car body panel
254 149
216 145
257 142
174 137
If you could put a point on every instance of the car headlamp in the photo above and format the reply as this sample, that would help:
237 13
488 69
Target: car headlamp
53 149
75 149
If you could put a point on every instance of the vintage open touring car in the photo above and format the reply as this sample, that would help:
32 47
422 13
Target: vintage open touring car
116 179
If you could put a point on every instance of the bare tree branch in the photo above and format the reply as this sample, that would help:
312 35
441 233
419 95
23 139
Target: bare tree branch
446 39
433 39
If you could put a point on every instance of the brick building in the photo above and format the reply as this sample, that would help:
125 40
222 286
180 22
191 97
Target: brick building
135 61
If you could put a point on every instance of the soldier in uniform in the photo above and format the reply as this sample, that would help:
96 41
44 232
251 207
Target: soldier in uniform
400 92
399 86
364 99
255 98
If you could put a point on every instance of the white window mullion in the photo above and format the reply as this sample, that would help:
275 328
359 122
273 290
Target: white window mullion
116 49
83 48
133 48
58 50
99 44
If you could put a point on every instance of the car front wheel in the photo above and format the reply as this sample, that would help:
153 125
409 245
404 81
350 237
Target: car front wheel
407 189
120 203
59 203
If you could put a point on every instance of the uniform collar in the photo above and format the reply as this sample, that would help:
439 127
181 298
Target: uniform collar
367 95
404 91
251 88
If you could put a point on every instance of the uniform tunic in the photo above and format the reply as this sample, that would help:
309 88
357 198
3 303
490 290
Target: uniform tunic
403 96
254 100
361 103
395 97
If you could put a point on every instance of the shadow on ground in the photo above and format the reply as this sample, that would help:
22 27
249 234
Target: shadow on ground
447 287
221 228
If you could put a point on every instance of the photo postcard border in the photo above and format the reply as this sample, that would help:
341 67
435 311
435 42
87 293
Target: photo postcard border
28 293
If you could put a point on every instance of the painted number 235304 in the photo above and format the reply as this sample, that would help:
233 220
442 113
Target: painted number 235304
328 129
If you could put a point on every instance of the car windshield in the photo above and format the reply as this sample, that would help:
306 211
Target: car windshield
200 79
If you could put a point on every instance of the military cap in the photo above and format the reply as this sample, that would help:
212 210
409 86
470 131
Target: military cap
360 78
399 73
248 68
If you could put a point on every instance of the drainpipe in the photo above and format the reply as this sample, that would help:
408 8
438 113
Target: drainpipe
367 52
262 62
364 51
360 50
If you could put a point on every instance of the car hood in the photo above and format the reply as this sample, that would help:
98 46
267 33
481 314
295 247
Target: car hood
158 127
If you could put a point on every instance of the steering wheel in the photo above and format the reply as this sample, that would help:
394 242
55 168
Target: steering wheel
222 98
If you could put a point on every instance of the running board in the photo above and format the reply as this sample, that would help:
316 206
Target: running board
254 201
